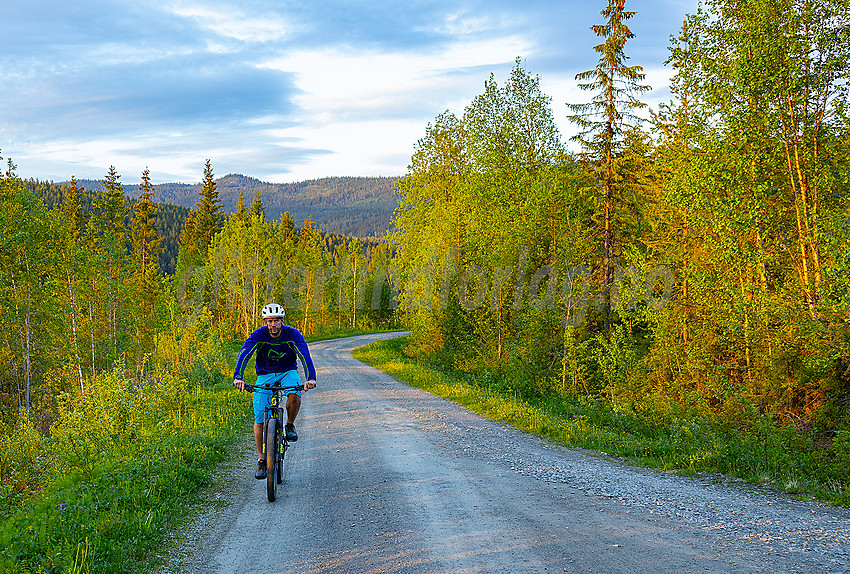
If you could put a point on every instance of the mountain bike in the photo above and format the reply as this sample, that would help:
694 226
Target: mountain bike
274 437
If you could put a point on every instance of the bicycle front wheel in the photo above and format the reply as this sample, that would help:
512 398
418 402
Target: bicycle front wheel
281 445
272 434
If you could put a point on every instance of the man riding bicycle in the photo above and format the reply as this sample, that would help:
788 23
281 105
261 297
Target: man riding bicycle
278 346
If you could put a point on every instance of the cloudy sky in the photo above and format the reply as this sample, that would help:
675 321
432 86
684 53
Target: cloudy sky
279 90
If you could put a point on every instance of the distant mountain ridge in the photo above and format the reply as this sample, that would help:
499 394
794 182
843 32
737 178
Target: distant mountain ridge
352 206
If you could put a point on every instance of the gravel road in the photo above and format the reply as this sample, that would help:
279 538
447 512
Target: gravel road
386 478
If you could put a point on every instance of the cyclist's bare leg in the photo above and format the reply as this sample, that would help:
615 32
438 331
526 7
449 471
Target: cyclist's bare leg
293 404
258 437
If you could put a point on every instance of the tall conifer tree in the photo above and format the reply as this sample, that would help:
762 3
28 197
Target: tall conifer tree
109 236
72 211
257 207
604 122
146 249
241 213
145 239
208 216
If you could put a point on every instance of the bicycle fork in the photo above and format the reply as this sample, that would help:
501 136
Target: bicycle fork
266 417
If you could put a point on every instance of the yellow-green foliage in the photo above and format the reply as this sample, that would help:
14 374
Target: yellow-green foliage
118 466
21 458
703 269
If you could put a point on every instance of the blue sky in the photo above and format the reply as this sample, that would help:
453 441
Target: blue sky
281 91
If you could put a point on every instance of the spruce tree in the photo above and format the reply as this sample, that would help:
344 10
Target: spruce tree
604 122
109 206
109 238
146 249
208 216
71 210
145 239
241 213
257 207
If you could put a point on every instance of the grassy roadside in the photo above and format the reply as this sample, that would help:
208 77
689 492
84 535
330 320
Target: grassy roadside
773 457
121 466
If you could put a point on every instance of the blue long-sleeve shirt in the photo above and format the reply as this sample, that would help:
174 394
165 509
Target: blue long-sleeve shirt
275 355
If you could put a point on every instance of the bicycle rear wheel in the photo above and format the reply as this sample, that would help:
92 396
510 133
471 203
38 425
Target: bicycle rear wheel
272 433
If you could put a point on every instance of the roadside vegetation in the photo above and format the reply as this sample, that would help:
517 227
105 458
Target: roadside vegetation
683 276
767 454
116 473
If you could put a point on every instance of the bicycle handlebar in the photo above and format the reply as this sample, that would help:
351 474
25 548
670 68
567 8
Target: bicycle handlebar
300 387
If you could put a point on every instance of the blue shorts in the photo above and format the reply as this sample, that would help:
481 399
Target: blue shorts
262 397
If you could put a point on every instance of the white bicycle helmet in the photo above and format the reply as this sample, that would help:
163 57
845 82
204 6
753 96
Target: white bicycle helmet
273 310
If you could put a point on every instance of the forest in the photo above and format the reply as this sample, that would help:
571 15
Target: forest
85 284
686 266
359 207
692 266
168 220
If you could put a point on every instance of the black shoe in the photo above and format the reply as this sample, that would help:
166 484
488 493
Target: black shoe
261 470
291 435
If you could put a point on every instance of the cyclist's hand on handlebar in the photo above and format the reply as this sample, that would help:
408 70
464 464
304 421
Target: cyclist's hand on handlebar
239 384
311 384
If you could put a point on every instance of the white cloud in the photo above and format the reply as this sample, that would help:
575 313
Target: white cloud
336 83
231 22
367 109
373 148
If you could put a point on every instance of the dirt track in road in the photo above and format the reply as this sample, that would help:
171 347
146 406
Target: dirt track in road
386 478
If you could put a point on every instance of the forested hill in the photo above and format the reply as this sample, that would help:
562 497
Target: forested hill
169 222
351 206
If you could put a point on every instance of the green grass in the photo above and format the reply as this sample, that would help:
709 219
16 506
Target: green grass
122 465
775 457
